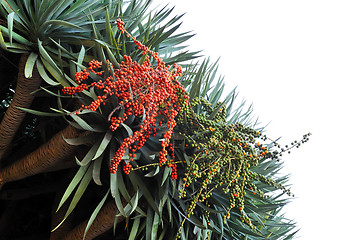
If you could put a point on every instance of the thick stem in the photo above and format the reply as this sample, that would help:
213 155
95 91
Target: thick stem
66 164
102 223
46 156
22 98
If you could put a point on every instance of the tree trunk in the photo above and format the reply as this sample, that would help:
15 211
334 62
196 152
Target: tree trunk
22 98
46 156
102 223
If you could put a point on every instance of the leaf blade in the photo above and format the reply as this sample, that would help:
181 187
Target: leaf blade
103 145
78 194
135 227
78 176
94 214
44 75
29 65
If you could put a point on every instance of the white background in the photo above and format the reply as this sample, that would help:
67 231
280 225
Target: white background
299 64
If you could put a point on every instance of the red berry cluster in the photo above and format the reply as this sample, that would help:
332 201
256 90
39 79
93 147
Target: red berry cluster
174 171
141 90
80 76
116 121
120 25
127 168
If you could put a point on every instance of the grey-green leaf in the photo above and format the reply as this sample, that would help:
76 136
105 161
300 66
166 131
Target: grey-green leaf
10 26
135 227
78 176
39 113
90 155
136 180
96 170
44 75
78 194
103 145
94 214
30 64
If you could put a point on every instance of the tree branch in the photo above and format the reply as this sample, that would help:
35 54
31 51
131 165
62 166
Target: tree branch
46 156
102 223
22 98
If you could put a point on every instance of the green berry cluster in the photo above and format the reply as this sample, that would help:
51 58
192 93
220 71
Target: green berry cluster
220 156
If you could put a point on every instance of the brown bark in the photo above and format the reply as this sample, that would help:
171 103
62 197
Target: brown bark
66 164
46 156
22 98
102 223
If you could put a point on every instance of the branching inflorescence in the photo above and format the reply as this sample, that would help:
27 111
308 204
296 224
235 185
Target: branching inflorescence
216 156
140 90
224 155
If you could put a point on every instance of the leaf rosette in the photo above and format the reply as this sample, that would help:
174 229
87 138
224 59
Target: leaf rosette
143 119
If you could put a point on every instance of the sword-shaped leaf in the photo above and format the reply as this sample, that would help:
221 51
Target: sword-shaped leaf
85 180
30 64
136 181
96 170
90 155
44 75
134 230
94 214
103 145
10 26
39 113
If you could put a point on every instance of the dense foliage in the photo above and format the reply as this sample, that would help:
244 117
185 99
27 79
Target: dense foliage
121 92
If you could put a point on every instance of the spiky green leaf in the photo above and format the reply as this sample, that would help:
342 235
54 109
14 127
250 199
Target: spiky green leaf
30 64
94 214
